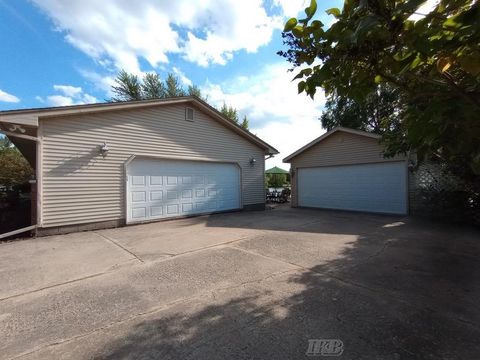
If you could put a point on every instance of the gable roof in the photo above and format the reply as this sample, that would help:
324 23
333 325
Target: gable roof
276 170
326 135
30 117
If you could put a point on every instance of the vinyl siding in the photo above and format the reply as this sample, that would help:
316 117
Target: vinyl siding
340 148
79 186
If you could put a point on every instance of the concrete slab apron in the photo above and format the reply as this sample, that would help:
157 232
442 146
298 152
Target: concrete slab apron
33 321
274 319
39 263
156 241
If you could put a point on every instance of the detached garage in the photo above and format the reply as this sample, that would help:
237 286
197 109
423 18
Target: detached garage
105 165
344 169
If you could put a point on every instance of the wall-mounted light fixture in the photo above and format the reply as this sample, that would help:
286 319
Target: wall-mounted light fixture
292 172
16 127
104 149
411 165
252 161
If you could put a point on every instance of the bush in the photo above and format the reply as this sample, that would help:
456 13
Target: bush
276 180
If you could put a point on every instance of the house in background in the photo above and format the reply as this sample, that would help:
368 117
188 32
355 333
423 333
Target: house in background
105 165
344 169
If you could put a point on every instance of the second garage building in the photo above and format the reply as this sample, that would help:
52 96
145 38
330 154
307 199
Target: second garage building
345 169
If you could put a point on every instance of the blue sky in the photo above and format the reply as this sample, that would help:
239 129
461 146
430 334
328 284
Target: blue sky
57 52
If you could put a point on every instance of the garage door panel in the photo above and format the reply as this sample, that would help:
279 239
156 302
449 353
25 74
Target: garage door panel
156 195
366 187
138 180
138 196
168 188
156 211
139 213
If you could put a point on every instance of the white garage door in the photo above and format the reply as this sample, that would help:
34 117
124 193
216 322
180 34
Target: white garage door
368 187
168 188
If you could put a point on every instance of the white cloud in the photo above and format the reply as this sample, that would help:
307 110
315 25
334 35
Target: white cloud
234 25
289 137
6 97
181 75
291 8
68 90
277 113
204 32
89 99
59 100
69 95
101 82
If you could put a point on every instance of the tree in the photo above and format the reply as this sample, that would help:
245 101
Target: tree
127 87
229 112
433 62
379 112
5 143
244 123
276 180
14 168
152 87
173 86
194 90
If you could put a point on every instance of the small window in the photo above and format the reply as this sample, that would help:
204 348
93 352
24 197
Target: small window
189 114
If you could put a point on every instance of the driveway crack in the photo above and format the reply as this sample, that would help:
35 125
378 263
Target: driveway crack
120 246
202 294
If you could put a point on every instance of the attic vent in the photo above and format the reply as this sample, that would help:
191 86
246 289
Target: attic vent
189 114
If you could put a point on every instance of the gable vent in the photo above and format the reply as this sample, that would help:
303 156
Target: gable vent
189 114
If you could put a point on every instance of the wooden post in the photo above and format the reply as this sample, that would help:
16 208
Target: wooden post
33 203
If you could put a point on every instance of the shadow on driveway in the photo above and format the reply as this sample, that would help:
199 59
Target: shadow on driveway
397 288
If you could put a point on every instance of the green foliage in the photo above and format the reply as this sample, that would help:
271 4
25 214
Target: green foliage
14 168
290 24
244 123
173 86
276 180
5 143
379 112
194 90
129 88
229 112
433 63
152 87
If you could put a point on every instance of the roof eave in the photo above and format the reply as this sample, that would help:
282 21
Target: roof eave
31 116
327 134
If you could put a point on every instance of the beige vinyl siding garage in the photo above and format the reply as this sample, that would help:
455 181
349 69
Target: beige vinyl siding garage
343 147
79 186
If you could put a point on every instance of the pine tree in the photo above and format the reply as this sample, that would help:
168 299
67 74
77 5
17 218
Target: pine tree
127 87
244 123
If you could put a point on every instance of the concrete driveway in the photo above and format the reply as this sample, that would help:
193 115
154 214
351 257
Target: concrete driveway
255 285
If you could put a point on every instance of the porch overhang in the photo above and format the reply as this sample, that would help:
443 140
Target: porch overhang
24 137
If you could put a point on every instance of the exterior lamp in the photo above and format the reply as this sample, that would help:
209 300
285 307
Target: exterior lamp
104 149
16 127
252 161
